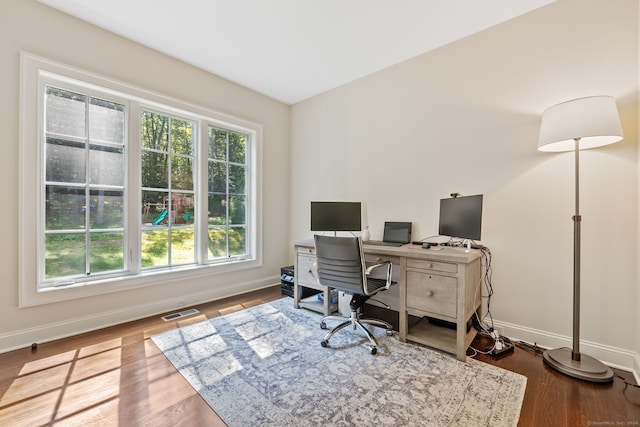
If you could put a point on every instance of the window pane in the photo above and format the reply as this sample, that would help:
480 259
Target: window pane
182 206
217 209
181 137
154 170
237 239
106 165
217 244
106 121
70 160
217 144
237 148
154 207
64 208
237 210
181 173
237 179
65 161
182 246
218 177
65 255
107 209
155 244
65 112
155 133
107 252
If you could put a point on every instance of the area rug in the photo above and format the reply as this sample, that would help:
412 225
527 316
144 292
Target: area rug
264 366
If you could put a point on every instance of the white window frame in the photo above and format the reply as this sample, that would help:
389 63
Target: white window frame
35 71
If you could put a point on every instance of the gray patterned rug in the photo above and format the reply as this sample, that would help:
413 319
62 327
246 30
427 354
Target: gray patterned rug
264 366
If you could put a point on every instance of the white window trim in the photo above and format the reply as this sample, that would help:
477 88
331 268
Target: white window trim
30 178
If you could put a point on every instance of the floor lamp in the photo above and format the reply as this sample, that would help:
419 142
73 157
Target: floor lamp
576 125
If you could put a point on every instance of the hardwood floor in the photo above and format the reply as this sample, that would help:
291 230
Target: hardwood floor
553 399
117 376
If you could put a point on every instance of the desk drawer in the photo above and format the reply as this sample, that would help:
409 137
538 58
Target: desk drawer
375 259
307 251
306 271
446 267
432 293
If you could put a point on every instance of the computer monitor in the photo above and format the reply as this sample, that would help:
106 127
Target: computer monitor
336 216
461 217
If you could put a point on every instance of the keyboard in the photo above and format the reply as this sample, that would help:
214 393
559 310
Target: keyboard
382 243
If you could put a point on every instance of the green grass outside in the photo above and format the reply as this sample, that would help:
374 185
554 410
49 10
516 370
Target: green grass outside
66 253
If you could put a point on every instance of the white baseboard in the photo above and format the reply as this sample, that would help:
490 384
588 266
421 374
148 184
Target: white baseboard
53 331
614 357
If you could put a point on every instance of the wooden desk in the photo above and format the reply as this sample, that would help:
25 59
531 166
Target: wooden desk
441 284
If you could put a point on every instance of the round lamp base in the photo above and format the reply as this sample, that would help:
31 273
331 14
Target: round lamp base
587 368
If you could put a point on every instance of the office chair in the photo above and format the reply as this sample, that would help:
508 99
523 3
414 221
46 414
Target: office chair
341 265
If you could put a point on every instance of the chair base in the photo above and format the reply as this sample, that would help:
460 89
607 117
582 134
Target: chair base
356 322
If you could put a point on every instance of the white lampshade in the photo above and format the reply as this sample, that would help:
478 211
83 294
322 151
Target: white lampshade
594 120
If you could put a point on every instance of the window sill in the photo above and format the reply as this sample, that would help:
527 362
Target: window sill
30 296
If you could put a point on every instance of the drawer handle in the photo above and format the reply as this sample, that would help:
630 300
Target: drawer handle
313 269
429 293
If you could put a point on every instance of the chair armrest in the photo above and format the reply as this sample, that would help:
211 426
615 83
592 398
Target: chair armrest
389 272
372 267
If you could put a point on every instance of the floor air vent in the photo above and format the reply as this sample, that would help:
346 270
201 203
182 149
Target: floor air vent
180 314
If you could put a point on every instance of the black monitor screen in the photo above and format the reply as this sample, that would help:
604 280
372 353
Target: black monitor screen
397 232
336 216
461 217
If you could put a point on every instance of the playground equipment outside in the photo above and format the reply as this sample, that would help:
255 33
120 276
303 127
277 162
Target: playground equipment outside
159 214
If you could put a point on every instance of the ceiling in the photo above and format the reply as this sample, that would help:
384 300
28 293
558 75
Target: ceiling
291 50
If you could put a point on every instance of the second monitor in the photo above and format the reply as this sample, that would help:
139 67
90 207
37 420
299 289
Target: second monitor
461 217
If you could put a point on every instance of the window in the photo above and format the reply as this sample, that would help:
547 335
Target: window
130 188
227 193
168 233
84 185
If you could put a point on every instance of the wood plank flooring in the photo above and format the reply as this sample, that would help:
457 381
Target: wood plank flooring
117 377
553 399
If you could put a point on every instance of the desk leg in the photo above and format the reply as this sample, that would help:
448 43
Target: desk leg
327 296
296 287
461 350
404 316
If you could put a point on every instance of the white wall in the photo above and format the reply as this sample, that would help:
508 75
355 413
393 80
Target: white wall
26 25
465 118
637 348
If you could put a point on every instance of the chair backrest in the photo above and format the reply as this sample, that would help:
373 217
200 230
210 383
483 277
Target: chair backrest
341 263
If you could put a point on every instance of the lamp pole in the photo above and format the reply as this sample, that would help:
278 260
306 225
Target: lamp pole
577 219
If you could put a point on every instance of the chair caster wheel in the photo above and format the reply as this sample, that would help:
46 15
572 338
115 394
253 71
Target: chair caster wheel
389 332
323 325
374 350
324 343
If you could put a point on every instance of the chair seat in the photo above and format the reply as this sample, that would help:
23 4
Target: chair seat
375 285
